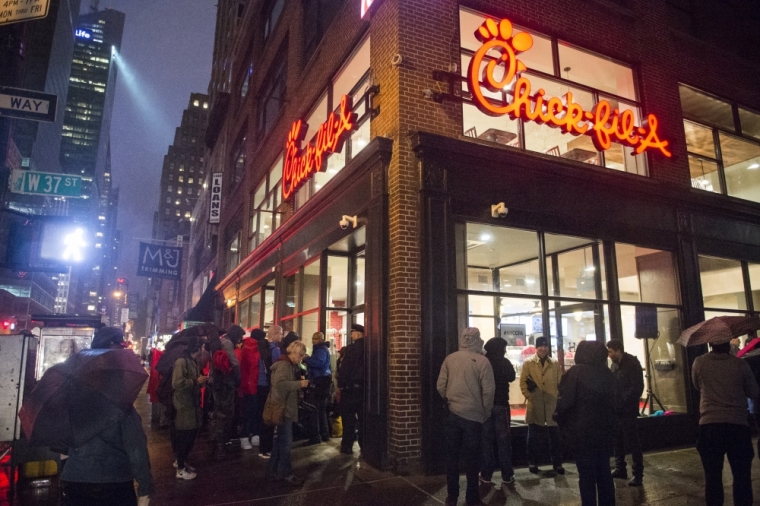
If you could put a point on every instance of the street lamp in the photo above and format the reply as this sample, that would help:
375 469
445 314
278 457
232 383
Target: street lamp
117 294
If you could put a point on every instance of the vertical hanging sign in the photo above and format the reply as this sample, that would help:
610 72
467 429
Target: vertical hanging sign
216 198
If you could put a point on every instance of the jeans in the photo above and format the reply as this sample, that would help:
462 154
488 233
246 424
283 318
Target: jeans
714 442
594 478
536 434
497 444
463 440
98 494
249 409
183 445
627 441
279 464
266 432
352 413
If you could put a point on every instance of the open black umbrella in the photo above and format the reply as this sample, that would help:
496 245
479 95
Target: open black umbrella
720 329
77 399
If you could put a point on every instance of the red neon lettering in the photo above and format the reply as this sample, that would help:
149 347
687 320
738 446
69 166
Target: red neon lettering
299 164
603 124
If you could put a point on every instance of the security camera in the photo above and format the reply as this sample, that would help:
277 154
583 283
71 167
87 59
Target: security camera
396 60
428 93
347 220
499 210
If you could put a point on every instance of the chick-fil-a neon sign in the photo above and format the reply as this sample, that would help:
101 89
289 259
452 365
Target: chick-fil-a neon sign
300 164
603 123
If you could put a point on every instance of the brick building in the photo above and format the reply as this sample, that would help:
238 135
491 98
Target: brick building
401 229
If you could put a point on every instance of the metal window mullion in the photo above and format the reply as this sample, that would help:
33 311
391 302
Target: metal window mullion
719 157
747 287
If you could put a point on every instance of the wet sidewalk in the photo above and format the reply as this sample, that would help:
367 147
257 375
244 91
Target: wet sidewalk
671 478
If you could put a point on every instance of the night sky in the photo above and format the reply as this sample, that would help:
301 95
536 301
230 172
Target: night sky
165 55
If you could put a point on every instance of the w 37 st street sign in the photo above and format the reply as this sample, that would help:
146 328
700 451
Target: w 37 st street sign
44 183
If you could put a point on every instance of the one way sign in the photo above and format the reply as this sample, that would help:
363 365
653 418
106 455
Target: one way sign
27 104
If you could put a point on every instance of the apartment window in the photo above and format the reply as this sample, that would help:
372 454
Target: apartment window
167 211
263 217
189 191
317 17
238 161
169 189
190 181
168 200
196 103
233 251
503 272
177 213
246 81
187 214
351 80
171 177
273 12
182 167
273 96
723 144
559 68
181 179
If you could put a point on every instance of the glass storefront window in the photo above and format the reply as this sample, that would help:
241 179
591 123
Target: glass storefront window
359 280
337 326
666 359
310 287
268 308
741 165
722 283
750 123
337 281
754 281
243 313
481 305
645 275
254 311
596 72
704 108
307 326
520 278
576 271
290 286
704 174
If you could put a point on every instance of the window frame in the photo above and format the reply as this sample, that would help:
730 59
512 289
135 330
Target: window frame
716 131
556 77
276 79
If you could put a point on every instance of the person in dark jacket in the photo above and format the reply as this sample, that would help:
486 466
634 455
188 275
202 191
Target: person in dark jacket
497 442
351 384
269 348
586 415
101 472
320 381
186 382
224 389
629 384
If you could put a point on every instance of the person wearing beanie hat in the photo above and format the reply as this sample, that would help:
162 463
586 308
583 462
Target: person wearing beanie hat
466 383
539 383
351 385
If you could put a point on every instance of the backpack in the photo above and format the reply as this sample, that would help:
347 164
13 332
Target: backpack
221 362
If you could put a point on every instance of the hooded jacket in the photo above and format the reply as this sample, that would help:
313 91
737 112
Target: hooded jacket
250 360
285 386
542 402
466 381
503 371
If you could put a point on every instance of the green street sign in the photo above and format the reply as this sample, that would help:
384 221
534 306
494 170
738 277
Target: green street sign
44 183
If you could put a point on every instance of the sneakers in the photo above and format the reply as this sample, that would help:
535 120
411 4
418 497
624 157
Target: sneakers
619 473
187 466
484 481
265 455
255 441
184 474
533 469
635 482
559 469
245 444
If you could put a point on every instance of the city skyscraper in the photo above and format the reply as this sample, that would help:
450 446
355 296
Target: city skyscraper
86 152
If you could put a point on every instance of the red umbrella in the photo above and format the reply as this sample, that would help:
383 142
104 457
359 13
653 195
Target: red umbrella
720 329
77 399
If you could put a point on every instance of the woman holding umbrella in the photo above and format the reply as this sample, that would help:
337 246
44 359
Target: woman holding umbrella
101 471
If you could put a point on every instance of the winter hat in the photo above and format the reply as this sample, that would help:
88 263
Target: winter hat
258 334
496 346
106 336
541 341
235 333
288 340
470 340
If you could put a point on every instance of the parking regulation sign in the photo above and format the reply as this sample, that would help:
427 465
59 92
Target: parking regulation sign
27 104
15 11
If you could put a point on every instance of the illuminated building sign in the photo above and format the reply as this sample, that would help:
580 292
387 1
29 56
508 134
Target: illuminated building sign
215 209
299 163
83 34
604 124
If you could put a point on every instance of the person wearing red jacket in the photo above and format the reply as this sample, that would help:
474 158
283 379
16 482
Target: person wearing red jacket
249 358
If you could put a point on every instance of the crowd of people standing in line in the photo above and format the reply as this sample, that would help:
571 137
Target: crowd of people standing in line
248 375
593 408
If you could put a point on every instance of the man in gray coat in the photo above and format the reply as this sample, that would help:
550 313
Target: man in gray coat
466 383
